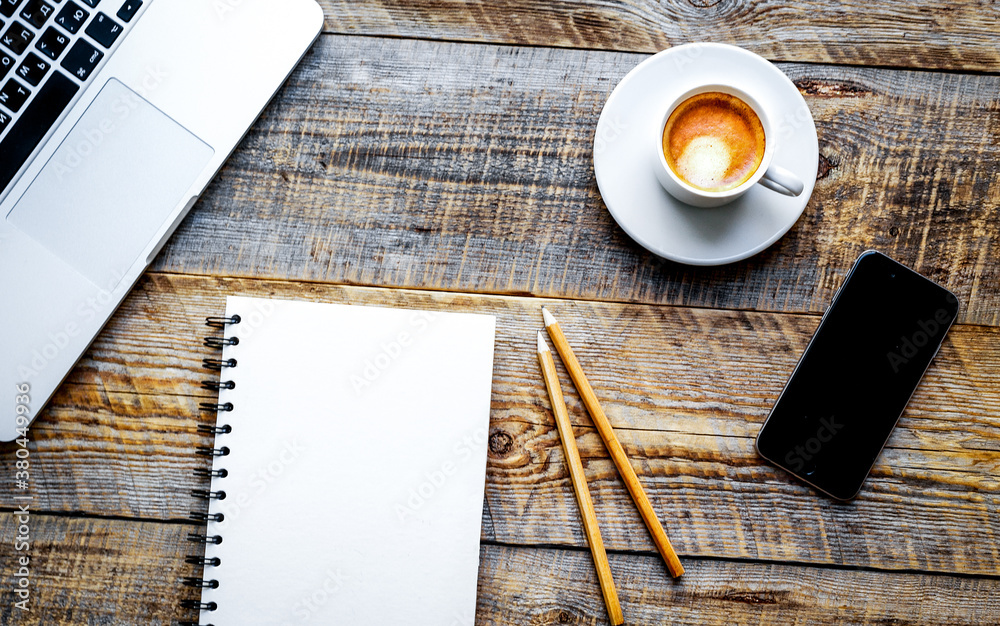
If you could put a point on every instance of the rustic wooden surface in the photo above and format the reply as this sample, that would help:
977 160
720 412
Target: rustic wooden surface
87 568
437 155
920 33
464 167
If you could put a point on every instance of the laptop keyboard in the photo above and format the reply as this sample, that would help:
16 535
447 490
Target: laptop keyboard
49 50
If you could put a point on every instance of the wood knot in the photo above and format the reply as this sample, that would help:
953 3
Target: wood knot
830 88
753 597
558 616
704 4
501 443
825 165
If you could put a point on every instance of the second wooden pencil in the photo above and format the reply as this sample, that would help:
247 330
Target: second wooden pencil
579 481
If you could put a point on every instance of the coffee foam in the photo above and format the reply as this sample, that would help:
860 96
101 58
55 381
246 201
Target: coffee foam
714 141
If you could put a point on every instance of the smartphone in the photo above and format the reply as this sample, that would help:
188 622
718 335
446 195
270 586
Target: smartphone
848 390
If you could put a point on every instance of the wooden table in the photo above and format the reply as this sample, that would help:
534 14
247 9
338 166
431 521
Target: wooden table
438 155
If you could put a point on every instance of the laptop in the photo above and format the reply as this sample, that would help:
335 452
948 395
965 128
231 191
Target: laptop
114 117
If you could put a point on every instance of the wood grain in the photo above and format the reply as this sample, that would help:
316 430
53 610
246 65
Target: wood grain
402 158
721 592
98 571
685 389
458 167
124 572
925 33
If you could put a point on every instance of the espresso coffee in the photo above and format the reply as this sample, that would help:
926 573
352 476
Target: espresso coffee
713 141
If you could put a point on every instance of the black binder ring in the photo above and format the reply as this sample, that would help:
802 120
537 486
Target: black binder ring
201 606
208 495
201 560
221 322
219 342
208 429
196 538
215 385
207 473
218 364
209 451
190 581
206 517
214 407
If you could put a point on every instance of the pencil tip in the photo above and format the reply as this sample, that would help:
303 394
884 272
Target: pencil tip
548 317
542 346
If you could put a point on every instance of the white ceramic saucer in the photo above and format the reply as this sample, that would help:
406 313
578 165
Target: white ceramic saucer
624 169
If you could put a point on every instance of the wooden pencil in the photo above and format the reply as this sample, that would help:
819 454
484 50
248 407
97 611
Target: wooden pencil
607 433
579 481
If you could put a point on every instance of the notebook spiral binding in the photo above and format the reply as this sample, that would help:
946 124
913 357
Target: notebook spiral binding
217 407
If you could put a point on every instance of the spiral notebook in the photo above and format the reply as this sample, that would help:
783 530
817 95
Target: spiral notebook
349 465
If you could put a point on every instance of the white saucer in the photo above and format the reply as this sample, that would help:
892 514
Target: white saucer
655 219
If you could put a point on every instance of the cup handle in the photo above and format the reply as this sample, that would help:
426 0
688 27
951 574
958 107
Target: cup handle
779 179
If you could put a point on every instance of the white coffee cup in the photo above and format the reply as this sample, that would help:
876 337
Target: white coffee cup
773 177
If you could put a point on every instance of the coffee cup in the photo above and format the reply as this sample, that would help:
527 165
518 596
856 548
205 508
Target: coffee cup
715 142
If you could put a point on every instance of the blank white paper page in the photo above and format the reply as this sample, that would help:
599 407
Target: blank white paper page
356 466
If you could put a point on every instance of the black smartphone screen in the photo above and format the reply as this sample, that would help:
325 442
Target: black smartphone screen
857 374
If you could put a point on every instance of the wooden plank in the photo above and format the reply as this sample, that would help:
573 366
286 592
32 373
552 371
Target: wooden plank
535 586
921 34
97 571
88 571
468 168
686 390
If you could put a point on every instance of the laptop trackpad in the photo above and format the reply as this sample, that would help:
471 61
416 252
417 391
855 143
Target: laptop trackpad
111 185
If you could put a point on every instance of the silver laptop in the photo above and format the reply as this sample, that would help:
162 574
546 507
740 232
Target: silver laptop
114 116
